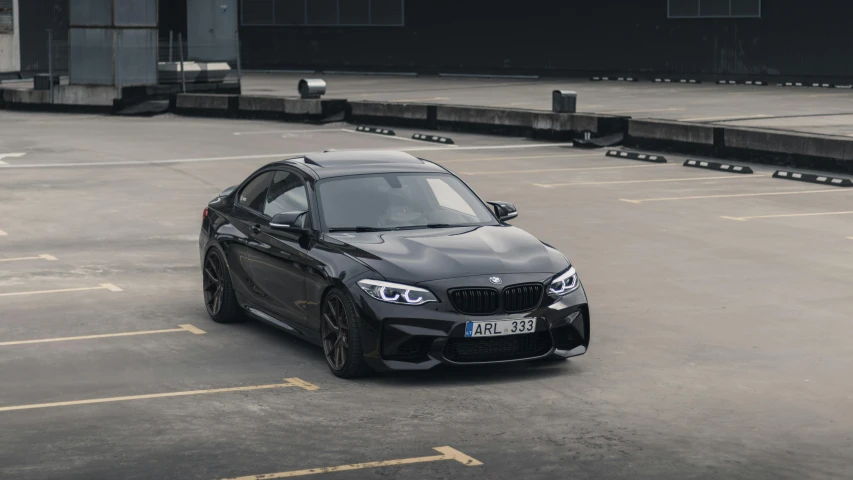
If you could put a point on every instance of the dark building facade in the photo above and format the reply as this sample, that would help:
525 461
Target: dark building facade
778 38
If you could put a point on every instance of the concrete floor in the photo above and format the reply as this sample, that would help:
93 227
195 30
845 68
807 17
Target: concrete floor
721 346
815 110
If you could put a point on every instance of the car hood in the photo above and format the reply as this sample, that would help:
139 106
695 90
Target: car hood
414 256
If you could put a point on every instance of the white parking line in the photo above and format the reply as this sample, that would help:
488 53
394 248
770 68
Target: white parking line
9 155
3 234
545 170
103 286
784 215
276 155
727 177
733 195
270 132
643 110
513 157
47 257
728 117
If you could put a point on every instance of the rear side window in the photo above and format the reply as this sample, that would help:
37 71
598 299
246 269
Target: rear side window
253 195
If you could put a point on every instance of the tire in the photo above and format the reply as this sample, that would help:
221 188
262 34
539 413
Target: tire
345 358
216 280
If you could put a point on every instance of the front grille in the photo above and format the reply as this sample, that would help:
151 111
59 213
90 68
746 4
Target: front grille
475 301
522 298
494 349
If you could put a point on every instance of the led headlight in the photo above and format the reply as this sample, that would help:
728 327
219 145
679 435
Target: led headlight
396 293
565 282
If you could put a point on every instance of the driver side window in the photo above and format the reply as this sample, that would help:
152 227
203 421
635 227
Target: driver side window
286 195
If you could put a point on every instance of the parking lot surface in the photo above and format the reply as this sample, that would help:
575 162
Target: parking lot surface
720 309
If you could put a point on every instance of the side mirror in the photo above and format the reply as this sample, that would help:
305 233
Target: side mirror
504 210
289 222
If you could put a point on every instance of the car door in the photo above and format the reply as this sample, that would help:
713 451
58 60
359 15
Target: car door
246 213
279 263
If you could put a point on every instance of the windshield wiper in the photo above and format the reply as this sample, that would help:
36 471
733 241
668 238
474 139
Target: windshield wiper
434 225
359 229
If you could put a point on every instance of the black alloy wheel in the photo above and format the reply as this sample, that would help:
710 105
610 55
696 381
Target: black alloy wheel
219 299
335 342
341 337
213 284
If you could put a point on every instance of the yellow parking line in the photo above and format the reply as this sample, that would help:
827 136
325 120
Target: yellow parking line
298 382
571 168
144 397
734 195
689 179
447 453
182 328
743 219
103 286
849 238
47 257
483 159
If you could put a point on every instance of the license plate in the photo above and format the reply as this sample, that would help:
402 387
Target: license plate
499 328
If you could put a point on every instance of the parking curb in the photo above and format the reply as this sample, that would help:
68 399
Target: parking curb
637 156
433 138
723 167
813 178
376 130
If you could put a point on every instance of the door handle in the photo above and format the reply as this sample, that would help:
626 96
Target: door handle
256 229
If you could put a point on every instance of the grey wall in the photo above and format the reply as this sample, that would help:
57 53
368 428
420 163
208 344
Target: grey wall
793 38
211 30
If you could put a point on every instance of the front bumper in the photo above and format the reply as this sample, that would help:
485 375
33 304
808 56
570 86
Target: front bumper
401 337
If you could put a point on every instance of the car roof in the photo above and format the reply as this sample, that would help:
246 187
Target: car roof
357 162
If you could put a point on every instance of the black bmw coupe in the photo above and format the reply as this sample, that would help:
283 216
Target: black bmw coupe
389 262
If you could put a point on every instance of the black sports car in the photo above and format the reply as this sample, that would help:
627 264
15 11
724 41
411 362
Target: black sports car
390 262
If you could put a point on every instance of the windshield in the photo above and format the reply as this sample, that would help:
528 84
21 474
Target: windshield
398 201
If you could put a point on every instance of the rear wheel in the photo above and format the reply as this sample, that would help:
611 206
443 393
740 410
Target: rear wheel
341 333
219 298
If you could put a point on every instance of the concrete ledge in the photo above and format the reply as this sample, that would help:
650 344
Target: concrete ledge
409 111
290 106
526 121
281 108
790 143
200 102
417 115
773 147
64 95
671 131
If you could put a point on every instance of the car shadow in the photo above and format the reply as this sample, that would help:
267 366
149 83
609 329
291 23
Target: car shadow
442 375
445 375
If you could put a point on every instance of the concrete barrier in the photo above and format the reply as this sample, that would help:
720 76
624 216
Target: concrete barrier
670 131
83 98
526 122
791 143
390 113
322 110
205 104
802 150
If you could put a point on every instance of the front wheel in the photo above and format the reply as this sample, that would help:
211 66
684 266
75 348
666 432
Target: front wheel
219 298
341 334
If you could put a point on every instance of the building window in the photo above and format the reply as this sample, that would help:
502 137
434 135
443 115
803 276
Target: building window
714 8
7 16
343 13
